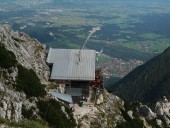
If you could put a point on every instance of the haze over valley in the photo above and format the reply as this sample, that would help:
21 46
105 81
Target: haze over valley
132 32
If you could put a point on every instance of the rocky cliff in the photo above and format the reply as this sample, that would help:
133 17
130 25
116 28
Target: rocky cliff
23 78
102 113
28 51
112 112
30 54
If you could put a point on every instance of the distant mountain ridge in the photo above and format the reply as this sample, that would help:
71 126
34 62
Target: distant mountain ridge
148 82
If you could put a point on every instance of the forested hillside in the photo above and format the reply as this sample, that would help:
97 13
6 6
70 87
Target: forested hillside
148 82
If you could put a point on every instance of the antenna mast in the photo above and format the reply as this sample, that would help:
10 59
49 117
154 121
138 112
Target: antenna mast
90 34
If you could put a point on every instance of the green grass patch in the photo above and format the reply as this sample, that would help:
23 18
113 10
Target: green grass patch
102 59
130 45
121 40
73 46
158 47
127 32
25 123
150 36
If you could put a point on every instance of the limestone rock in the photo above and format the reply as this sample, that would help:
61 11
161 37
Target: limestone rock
2 113
29 52
130 114
162 109
105 114
2 89
100 99
159 122
11 105
146 112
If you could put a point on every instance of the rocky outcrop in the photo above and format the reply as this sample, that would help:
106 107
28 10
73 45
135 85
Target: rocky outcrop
146 112
30 54
161 113
105 113
112 111
130 114
162 109
28 51
11 104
